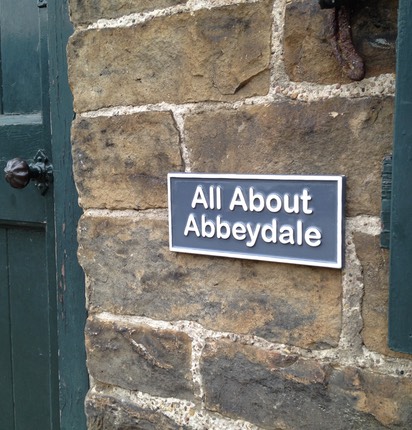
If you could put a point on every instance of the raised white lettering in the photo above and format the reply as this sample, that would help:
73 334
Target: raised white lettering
272 228
212 197
208 227
273 197
271 232
253 234
222 225
299 233
199 198
252 201
218 197
191 226
306 197
286 235
287 206
238 199
239 231
313 237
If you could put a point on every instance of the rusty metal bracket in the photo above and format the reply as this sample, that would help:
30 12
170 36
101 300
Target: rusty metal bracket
340 37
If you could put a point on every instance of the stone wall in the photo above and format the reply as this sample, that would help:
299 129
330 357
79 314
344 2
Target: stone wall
178 341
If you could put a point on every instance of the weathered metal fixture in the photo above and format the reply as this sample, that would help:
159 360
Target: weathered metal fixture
18 172
340 37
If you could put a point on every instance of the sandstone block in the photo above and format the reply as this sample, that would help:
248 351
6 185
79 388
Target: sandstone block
387 398
300 306
275 391
106 412
218 54
137 357
308 51
335 136
375 264
85 12
122 162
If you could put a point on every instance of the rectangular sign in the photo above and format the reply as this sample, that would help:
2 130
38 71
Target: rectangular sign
282 218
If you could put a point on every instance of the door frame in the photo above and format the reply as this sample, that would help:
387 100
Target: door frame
71 308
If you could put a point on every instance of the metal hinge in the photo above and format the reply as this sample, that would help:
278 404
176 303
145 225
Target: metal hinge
386 201
41 3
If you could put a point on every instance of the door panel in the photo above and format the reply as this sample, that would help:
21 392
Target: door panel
31 353
20 36
6 392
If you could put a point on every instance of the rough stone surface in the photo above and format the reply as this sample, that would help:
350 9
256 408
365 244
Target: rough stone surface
308 52
375 264
105 412
387 398
275 391
137 357
334 136
122 162
218 54
85 12
300 306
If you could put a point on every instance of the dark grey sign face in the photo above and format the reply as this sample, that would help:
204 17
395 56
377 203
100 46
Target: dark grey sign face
287 219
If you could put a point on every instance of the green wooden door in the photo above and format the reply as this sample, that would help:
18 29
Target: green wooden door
400 299
42 364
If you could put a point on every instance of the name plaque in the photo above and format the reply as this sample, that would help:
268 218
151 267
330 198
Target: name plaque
294 219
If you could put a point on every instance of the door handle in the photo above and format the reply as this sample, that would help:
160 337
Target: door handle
19 172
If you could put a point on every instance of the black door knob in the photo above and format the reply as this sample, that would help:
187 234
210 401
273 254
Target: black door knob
18 172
